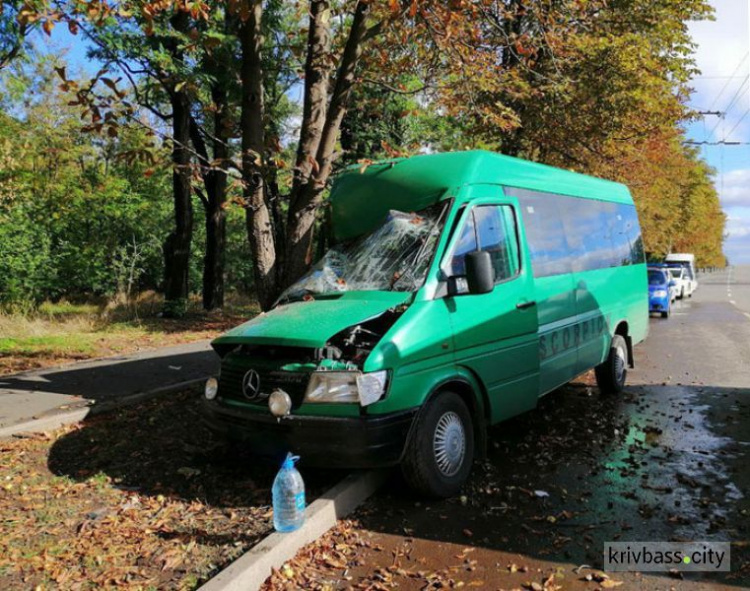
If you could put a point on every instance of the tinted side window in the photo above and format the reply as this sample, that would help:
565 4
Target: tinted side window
590 228
467 242
574 234
629 217
498 237
545 234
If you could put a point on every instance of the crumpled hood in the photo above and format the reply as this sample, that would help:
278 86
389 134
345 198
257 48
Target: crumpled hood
312 323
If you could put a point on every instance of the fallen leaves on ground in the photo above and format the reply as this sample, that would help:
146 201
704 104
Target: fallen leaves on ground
142 499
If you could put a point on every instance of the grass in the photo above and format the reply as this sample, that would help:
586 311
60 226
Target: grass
75 344
60 332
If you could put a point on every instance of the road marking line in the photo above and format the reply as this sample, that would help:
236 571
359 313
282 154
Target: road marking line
732 302
746 314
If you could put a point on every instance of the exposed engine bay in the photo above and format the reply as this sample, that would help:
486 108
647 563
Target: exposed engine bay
353 344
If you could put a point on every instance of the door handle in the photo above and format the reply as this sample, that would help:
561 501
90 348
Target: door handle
524 305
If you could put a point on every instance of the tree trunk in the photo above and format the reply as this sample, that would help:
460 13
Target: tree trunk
213 261
316 91
307 198
215 179
177 247
257 216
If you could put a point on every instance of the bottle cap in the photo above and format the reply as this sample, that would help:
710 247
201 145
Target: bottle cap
289 461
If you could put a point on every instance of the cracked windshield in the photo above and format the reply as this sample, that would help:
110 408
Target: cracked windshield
394 257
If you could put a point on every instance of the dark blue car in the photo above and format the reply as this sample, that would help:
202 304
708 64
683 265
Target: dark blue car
659 296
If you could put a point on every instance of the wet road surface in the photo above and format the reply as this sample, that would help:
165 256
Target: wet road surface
667 461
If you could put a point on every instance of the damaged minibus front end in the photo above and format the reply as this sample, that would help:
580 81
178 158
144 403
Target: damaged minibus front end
302 376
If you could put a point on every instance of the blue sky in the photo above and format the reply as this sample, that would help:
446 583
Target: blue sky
724 85
722 48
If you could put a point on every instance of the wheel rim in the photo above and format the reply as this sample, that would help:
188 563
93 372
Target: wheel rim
449 444
620 365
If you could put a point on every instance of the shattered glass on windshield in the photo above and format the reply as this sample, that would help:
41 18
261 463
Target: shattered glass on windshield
394 257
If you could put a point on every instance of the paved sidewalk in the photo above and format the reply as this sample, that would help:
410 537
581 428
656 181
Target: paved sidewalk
40 393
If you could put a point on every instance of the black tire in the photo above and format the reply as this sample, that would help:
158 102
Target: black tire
420 465
682 294
611 375
665 314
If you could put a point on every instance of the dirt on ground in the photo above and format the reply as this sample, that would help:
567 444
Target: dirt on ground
142 498
661 463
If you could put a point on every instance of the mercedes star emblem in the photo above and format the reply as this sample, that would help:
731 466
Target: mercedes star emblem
251 385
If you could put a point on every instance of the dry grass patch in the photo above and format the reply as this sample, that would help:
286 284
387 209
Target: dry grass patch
62 332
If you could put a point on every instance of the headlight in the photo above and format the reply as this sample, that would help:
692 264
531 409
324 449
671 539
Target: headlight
212 387
279 403
346 386
660 293
332 386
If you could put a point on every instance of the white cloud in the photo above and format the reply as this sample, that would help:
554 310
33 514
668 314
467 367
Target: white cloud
721 46
737 244
735 189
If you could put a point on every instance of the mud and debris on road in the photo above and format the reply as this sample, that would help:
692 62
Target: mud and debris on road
659 463
668 460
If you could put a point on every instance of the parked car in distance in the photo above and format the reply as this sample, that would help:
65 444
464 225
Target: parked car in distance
459 289
659 291
682 280
687 262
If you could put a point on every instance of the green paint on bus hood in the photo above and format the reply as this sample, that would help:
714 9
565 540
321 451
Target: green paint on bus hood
312 323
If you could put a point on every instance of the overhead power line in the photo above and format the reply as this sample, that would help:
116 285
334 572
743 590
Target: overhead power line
726 84
736 125
719 143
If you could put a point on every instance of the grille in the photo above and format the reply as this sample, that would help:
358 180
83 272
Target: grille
233 371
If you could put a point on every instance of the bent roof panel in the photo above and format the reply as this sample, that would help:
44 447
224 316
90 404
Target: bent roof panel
360 198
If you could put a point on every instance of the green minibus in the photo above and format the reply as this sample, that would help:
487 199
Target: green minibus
460 288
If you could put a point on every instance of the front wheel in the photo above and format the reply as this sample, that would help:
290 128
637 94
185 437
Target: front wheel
440 451
610 375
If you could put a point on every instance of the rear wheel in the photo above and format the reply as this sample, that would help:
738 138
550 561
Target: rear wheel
611 375
440 451
666 314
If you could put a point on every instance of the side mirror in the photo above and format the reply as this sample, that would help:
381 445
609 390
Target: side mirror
672 283
480 276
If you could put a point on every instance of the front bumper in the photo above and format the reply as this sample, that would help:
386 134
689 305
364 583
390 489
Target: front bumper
370 441
658 304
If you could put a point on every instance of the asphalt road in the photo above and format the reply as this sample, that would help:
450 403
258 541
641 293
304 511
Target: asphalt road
667 461
39 393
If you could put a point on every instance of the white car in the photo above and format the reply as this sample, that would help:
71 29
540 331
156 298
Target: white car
684 285
687 261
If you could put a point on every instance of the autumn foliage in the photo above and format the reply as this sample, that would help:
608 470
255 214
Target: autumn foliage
260 103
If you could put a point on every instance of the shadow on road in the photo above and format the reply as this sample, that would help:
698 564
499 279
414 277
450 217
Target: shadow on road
163 448
661 463
108 381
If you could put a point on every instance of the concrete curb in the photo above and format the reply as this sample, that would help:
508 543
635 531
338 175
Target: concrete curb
251 569
53 421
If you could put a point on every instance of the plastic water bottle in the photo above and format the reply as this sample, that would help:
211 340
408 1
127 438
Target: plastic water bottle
288 494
